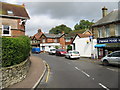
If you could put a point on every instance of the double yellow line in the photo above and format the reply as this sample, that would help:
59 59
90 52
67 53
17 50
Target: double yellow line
48 74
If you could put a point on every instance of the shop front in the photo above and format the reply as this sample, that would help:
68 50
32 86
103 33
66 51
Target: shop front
107 45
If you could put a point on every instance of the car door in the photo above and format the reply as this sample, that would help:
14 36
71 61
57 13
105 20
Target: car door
115 58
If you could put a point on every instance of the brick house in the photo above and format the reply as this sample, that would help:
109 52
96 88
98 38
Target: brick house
107 32
13 19
48 41
35 40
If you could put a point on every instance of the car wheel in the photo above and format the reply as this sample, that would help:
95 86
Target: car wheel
105 63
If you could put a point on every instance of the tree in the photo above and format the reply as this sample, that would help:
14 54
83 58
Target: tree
83 24
59 29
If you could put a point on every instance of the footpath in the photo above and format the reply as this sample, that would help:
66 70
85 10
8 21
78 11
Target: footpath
35 74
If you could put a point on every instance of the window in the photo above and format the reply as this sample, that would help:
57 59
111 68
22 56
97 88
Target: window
55 40
107 31
43 40
67 39
10 12
100 34
117 31
6 30
116 54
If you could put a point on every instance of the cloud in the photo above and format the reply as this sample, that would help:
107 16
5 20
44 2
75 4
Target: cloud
45 23
46 15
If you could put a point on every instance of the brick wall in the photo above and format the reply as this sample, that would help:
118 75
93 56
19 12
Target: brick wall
16 28
62 42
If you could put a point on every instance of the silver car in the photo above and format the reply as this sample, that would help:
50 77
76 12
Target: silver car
112 58
72 54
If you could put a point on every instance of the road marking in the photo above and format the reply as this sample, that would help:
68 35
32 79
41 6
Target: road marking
103 86
86 74
77 68
111 69
47 73
93 79
68 63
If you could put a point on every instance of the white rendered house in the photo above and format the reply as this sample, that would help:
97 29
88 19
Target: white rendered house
85 45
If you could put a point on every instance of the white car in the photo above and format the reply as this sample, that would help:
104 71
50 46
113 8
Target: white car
72 54
112 58
52 51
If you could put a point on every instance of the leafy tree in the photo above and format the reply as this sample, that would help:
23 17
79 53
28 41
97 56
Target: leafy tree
83 24
59 29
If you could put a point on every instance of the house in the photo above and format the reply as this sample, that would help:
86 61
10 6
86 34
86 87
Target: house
107 32
13 19
48 41
35 40
84 44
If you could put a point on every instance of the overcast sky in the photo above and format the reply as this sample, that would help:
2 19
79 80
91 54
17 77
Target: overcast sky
46 15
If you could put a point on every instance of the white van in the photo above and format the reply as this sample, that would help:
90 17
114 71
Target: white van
112 58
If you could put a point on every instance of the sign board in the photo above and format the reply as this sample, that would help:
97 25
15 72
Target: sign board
108 40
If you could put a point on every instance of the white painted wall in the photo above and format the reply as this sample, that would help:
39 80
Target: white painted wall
47 48
85 49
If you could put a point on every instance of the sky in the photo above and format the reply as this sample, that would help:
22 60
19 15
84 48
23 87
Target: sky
46 14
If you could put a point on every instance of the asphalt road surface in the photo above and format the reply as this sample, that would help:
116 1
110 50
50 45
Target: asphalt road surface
81 73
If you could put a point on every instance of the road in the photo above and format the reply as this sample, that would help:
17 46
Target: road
82 73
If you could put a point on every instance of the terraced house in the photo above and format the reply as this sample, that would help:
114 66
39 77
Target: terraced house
107 32
13 19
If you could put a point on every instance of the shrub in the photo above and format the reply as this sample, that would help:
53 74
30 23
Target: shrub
14 50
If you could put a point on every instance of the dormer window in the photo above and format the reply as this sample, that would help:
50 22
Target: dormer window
10 12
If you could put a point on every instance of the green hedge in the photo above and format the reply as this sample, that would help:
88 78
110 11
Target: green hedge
15 50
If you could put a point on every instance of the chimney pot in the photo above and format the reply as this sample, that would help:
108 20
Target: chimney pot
39 30
104 11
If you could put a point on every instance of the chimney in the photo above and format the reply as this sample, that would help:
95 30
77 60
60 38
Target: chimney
39 31
62 32
23 5
104 11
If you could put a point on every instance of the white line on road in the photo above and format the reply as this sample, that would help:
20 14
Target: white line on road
93 79
77 68
68 63
103 86
86 74
111 69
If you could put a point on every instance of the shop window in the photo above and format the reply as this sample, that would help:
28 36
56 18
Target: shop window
6 30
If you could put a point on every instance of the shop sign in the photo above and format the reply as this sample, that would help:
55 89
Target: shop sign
108 40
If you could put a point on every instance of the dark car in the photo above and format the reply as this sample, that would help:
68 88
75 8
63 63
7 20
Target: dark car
60 52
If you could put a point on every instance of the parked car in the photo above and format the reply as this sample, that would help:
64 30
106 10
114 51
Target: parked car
36 50
52 51
60 52
112 58
72 54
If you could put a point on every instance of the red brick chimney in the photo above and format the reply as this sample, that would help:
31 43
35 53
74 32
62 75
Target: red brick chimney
23 5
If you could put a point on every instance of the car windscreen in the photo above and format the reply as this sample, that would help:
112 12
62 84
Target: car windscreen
76 52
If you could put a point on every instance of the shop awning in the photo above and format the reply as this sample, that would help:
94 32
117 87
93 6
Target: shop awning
100 45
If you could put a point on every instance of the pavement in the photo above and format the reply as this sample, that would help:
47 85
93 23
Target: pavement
35 74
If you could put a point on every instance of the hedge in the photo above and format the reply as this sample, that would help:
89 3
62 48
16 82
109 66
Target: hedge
15 50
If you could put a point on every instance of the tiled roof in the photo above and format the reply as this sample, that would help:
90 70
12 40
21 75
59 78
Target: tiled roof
53 35
84 35
111 17
37 35
18 10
